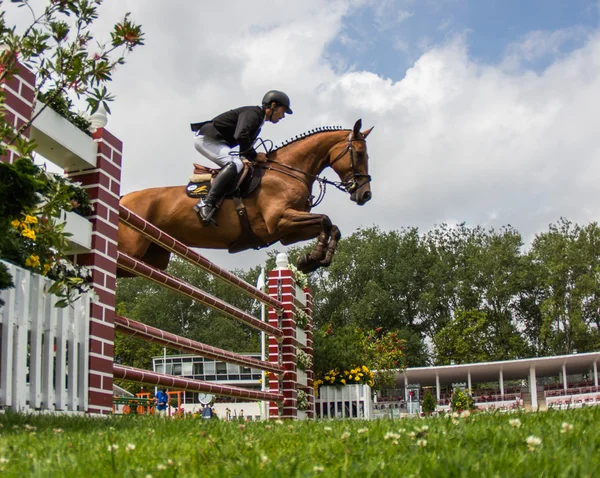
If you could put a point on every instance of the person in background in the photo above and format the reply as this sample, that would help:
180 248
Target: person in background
161 402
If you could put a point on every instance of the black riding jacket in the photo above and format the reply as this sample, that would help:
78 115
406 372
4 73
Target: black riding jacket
240 126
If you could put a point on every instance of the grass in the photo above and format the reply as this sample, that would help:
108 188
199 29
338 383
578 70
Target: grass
480 445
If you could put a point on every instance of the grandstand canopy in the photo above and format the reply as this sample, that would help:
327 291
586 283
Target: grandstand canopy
490 371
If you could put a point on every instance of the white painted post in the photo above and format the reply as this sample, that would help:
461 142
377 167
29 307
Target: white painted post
38 307
564 373
73 360
61 361
469 382
533 387
595 374
437 387
19 364
84 353
48 395
502 384
7 347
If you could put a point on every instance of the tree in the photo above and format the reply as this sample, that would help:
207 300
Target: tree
60 56
567 260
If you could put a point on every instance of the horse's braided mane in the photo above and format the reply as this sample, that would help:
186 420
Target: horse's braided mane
311 132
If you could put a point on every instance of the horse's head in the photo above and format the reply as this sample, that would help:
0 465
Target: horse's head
350 161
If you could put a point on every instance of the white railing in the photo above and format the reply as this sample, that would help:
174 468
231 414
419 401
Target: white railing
350 401
43 349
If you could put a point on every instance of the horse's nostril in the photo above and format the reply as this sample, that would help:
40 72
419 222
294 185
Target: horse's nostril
367 196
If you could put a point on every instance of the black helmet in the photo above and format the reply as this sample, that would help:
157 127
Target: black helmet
278 97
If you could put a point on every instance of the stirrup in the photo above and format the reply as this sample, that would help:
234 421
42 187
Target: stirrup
207 217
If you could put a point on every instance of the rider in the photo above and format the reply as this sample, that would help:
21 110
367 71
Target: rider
234 131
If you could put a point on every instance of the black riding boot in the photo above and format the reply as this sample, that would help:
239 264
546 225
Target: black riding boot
207 206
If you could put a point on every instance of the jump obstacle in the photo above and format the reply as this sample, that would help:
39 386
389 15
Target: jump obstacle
96 164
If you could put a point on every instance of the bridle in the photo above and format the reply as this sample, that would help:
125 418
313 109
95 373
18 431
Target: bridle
351 183
347 185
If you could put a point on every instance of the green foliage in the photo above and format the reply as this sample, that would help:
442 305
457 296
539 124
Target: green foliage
32 235
461 401
133 445
59 102
56 47
339 350
429 403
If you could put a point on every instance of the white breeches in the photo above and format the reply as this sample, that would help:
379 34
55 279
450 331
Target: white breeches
218 151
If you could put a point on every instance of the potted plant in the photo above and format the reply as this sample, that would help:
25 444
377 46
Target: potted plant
302 403
303 363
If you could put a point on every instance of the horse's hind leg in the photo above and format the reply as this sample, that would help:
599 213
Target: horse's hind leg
301 226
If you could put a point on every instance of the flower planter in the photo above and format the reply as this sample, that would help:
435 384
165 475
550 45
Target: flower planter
302 378
301 295
61 142
301 337
81 228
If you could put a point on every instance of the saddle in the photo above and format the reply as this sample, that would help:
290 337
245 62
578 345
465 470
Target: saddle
202 178
247 181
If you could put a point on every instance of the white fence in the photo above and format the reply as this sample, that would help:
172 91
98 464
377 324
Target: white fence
350 401
43 349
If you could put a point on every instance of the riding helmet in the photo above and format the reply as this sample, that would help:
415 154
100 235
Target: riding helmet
278 97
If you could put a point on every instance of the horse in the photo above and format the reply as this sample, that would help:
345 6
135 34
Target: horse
277 210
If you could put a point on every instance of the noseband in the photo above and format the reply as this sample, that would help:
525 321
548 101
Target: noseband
351 182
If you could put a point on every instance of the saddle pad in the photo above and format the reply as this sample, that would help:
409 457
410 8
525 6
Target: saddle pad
200 184
196 189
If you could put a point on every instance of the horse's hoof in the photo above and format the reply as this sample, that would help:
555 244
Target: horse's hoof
303 263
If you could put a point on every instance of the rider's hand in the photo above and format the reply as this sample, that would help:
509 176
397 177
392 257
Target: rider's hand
261 158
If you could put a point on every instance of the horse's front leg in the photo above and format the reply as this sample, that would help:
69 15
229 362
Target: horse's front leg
296 226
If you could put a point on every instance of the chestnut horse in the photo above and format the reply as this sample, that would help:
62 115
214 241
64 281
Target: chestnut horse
278 210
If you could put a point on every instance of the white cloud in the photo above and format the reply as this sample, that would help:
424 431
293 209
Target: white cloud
455 140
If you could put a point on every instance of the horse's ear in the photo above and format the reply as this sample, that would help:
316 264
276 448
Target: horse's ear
366 132
356 129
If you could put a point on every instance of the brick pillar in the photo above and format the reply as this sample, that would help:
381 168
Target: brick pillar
282 286
310 375
103 184
19 91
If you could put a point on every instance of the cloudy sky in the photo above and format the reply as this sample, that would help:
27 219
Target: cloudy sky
484 111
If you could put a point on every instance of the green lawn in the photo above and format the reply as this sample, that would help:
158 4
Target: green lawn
474 446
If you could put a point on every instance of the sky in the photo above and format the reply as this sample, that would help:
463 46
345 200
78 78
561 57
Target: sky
485 112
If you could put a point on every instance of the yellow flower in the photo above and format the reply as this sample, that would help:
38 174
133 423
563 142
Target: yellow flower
365 369
32 261
28 233
343 381
357 378
46 269
31 220
326 377
350 377
15 223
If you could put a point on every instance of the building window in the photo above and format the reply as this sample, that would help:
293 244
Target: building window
198 369
221 368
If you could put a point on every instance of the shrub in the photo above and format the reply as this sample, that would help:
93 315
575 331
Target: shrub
461 401
429 403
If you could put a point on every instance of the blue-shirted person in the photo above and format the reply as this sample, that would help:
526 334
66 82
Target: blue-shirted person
162 399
